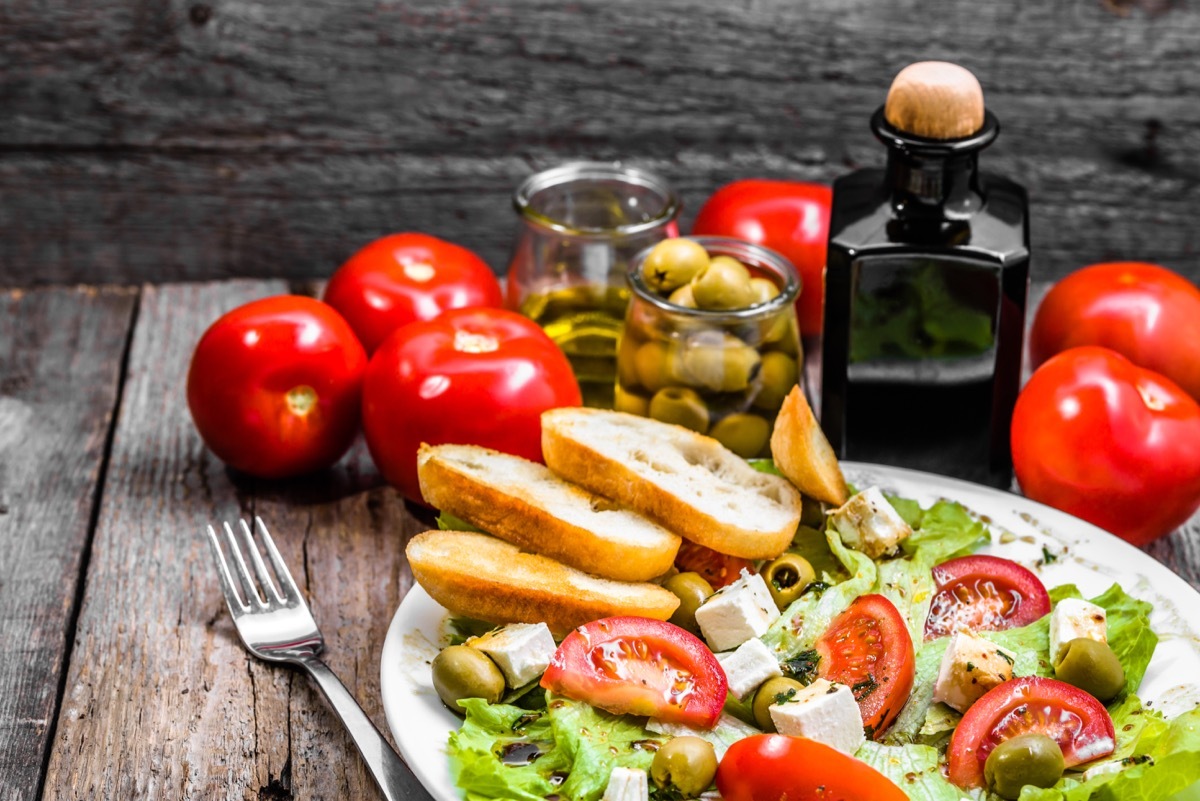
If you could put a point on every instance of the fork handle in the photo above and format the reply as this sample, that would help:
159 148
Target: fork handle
396 781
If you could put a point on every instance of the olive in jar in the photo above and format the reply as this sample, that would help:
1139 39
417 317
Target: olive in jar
778 374
672 263
461 671
681 406
745 434
724 285
720 363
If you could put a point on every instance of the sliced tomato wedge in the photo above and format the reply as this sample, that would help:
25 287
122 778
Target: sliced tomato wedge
718 569
640 666
1029 705
771 767
868 648
984 593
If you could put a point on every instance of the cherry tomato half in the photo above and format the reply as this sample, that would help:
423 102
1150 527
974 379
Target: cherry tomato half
640 666
775 767
1147 313
1100 438
1029 705
401 278
470 377
274 386
868 648
718 569
791 217
984 593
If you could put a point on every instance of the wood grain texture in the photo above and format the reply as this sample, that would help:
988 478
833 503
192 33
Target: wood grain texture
60 369
161 700
161 139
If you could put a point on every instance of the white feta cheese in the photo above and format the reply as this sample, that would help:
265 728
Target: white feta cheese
627 784
868 523
1103 769
970 667
522 651
1073 618
737 612
822 711
749 666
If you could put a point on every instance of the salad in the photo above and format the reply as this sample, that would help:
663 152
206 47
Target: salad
530 742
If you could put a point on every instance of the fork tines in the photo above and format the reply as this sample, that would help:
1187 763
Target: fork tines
261 598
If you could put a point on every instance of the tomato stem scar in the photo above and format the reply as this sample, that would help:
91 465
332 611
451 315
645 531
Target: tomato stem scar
301 400
1154 402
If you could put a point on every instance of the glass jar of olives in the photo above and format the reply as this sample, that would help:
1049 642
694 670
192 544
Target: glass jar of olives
710 339
580 224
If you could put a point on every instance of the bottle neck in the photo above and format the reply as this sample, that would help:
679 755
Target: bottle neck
942 186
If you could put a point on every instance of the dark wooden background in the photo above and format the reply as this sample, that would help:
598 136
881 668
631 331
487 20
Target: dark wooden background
155 140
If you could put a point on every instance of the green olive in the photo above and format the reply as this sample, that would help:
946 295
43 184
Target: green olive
650 362
772 692
1026 759
689 764
764 290
684 297
778 375
724 285
1092 667
744 434
461 671
631 402
787 577
692 590
719 363
681 406
672 263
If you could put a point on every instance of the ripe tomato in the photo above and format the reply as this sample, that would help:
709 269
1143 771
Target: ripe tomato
718 569
640 666
774 767
1110 442
401 278
984 593
274 386
868 648
791 217
469 376
1029 705
1147 313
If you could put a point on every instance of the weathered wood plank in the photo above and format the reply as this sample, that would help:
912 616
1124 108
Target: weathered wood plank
60 370
1181 551
161 700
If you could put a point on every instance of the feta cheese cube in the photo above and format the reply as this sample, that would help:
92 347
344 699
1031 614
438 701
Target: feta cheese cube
970 667
749 666
521 650
822 711
737 612
868 523
1103 769
627 784
1071 619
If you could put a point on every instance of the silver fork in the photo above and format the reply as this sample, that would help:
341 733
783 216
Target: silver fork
274 624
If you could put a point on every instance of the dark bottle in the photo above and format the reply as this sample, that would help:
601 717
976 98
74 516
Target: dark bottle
928 270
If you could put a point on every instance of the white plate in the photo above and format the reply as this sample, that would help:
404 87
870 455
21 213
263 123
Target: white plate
1094 559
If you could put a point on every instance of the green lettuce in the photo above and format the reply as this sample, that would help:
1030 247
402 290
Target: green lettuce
913 768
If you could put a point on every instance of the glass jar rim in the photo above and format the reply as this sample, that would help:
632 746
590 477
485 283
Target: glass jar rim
743 251
595 170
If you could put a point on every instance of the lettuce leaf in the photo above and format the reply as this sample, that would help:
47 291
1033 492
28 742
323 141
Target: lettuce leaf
912 768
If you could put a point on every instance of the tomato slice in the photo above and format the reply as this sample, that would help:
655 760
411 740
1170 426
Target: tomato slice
640 666
984 593
1029 705
868 648
773 767
718 569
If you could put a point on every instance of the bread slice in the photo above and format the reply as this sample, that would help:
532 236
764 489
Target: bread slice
522 502
804 455
479 576
685 481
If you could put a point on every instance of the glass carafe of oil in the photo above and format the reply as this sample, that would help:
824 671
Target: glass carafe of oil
580 224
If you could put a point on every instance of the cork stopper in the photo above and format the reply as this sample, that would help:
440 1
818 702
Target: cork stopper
936 100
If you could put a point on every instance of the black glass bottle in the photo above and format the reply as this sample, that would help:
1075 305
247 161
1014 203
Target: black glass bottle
928 271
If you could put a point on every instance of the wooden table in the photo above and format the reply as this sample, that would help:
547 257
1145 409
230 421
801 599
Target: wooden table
121 676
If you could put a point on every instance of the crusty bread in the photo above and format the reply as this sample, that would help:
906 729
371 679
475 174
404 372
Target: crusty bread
478 576
804 455
685 481
526 504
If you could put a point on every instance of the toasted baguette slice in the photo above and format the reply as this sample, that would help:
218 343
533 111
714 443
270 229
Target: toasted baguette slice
685 481
479 576
804 455
524 503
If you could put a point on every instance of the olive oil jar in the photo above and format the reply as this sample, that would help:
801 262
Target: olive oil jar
927 276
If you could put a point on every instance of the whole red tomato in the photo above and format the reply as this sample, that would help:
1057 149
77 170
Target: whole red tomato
469 376
401 278
774 767
791 217
1143 311
1118 445
274 386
